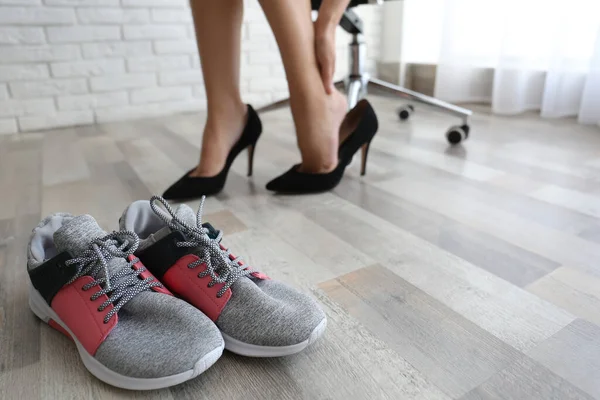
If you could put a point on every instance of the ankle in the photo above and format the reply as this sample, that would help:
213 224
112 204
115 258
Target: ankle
222 118
221 132
225 105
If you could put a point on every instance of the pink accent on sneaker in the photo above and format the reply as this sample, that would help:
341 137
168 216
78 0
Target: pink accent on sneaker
184 282
146 274
59 328
258 275
75 308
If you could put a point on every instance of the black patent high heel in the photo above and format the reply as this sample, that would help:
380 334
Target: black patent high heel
296 182
363 160
250 159
188 187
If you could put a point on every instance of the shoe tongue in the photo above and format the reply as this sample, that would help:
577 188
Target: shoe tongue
76 234
186 214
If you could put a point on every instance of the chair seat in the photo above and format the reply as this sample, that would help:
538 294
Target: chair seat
316 4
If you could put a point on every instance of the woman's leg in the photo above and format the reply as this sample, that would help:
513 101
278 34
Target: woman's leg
317 116
218 28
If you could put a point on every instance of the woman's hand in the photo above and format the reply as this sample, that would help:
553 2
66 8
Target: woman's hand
325 51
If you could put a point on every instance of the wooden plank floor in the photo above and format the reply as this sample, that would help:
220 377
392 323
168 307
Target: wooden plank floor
446 273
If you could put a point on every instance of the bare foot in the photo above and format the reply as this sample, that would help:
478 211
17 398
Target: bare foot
318 136
220 134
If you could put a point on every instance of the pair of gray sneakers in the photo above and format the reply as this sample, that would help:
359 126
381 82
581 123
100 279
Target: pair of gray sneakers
155 304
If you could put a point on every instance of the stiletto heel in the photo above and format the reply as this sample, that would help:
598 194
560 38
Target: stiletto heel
188 187
365 153
362 122
250 159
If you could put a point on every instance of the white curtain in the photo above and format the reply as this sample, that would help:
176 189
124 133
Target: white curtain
517 55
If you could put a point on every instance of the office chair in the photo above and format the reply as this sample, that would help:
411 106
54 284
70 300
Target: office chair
358 79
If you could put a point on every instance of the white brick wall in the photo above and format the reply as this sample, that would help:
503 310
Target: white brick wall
116 49
3 92
92 101
171 16
175 47
18 108
82 3
88 68
31 54
18 72
156 95
73 62
21 2
156 64
188 77
119 82
16 35
36 16
78 34
112 16
137 32
8 126
47 88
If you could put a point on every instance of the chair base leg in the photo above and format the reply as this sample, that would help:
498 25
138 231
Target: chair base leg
355 90
460 112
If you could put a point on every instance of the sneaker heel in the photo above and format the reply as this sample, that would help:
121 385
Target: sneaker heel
365 153
250 158
34 304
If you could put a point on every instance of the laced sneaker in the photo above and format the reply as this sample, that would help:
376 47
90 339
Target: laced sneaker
130 331
257 316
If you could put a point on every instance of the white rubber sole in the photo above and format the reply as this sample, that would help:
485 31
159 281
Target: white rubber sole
41 309
252 350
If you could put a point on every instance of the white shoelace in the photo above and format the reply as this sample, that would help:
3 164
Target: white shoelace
121 286
219 265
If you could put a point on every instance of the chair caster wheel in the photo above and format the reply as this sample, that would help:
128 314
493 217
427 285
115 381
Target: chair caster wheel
404 112
457 134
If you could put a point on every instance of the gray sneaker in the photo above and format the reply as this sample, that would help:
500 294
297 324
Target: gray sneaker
257 316
130 331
